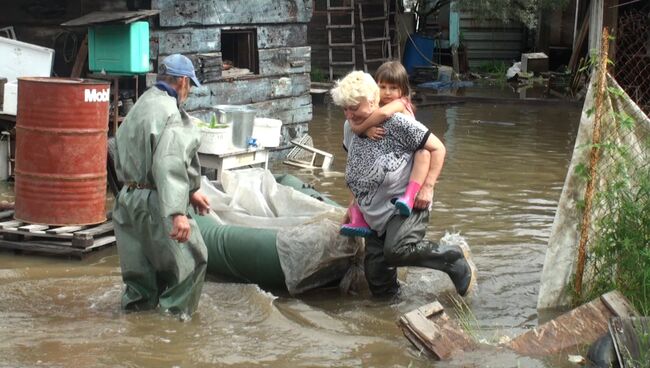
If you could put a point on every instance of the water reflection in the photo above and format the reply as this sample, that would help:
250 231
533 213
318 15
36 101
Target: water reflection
499 189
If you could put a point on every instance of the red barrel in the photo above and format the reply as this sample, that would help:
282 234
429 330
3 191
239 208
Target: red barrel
61 147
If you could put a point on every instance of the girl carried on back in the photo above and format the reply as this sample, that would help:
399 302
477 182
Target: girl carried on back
394 97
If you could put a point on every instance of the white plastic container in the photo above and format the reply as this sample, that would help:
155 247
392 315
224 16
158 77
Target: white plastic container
10 99
267 132
215 141
21 59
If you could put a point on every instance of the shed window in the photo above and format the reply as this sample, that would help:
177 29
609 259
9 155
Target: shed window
240 47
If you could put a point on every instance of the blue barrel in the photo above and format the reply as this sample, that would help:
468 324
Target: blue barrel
418 52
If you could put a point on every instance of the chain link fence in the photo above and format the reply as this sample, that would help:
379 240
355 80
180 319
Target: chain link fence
632 64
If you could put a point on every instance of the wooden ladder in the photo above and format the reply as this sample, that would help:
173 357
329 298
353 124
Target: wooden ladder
393 30
342 9
382 37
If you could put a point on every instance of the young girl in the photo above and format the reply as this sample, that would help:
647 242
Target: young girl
394 97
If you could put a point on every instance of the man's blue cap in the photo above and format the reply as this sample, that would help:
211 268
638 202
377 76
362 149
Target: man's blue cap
179 66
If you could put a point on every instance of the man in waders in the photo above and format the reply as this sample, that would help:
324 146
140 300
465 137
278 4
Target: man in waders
162 254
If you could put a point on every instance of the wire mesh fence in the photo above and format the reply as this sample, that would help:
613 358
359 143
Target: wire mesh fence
632 62
615 227
600 239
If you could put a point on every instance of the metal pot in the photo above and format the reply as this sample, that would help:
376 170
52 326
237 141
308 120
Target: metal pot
241 119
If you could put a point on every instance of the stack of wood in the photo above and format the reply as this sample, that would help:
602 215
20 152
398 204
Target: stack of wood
210 66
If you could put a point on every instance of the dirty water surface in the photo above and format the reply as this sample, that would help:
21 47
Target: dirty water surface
499 188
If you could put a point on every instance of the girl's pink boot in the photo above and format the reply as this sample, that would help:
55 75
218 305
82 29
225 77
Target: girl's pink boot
357 225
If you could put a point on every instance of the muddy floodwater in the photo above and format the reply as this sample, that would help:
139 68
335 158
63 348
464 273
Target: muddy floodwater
499 188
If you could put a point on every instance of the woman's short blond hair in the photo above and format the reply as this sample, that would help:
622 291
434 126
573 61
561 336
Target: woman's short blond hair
354 88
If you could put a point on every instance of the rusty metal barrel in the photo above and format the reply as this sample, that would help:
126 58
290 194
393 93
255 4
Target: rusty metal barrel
61 150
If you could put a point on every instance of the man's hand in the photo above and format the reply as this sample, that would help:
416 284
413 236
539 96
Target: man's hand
424 198
375 133
200 203
180 228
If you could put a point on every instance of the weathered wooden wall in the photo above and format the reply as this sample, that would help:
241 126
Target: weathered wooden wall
281 88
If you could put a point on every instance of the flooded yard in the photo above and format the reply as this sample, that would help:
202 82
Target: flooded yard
499 188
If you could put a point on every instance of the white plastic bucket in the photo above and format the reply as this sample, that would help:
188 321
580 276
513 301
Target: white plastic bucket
267 132
215 141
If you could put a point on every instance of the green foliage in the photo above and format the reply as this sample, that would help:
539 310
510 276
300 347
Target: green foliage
466 318
317 75
496 68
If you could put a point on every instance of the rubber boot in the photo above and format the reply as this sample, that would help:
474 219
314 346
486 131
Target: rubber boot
404 203
449 259
357 225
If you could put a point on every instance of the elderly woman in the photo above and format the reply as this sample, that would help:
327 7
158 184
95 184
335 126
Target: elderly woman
377 172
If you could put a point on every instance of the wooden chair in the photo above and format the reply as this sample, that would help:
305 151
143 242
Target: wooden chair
305 155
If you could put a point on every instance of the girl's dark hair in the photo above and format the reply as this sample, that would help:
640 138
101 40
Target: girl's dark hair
393 72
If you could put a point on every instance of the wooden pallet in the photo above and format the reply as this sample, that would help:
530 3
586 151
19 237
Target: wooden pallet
75 241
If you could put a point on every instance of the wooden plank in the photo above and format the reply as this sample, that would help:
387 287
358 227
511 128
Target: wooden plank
577 44
630 335
286 60
33 228
581 326
618 304
5 232
80 60
291 110
415 340
441 336
40 248
11 224
285 35
187 40
431 309
94 231
419 324
203 40
247 90
101 242
64 229
98 17
176 13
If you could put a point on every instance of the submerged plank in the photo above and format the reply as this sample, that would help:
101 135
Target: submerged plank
580 326
428 327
